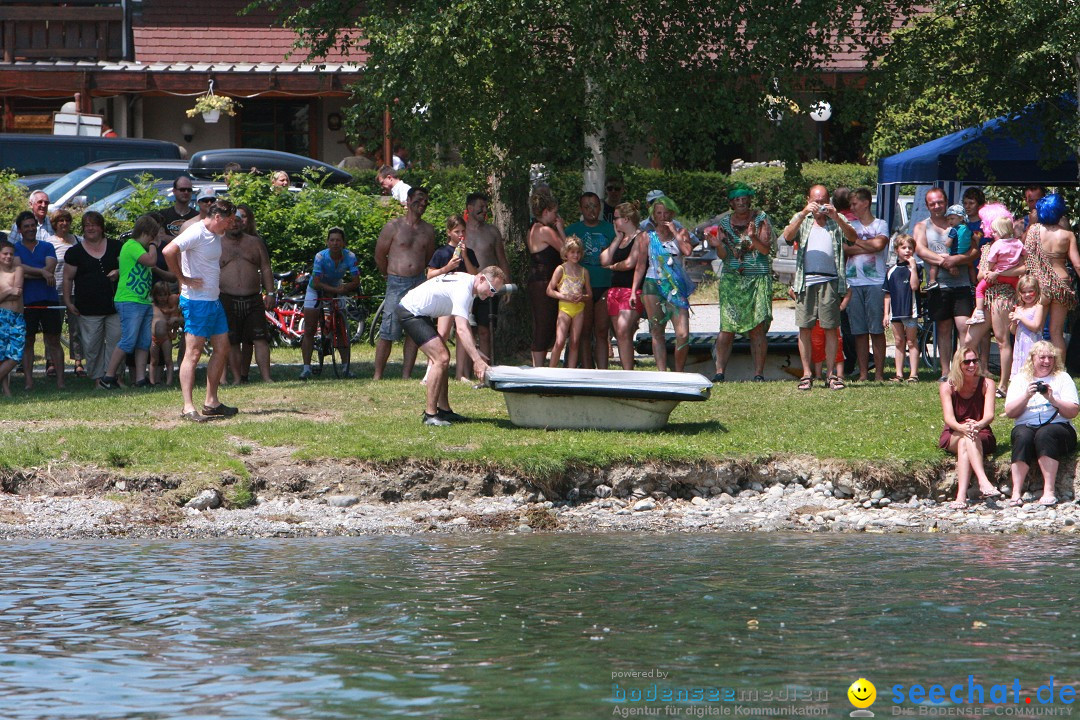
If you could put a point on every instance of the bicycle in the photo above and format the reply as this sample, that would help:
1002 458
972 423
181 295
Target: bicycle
286 320
332 336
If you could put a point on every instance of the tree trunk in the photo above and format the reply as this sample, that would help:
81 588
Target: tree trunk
509 204
595 171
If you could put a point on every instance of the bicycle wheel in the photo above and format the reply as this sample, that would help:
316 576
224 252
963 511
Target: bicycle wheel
325 343
356 313
376 323
928 349
928 344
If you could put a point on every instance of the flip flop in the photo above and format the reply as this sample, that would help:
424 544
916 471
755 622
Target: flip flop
993 495
1014 502
1048 503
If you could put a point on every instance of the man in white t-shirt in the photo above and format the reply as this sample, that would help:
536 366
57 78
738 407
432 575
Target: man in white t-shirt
388 179
446 295
194 257
865 270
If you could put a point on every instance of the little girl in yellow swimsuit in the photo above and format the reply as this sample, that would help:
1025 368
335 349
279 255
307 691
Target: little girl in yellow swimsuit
570 286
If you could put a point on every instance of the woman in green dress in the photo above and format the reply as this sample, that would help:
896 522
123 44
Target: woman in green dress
743 240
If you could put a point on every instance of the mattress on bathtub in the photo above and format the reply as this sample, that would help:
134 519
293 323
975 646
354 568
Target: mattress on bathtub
628 384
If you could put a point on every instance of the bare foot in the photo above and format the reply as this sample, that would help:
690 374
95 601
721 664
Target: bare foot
958 504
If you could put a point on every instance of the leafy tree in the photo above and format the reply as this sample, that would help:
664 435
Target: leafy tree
968 61
515 82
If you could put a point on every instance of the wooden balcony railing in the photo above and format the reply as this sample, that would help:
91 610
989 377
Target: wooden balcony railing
41 32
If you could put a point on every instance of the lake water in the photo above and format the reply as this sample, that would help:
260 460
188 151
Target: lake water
533 626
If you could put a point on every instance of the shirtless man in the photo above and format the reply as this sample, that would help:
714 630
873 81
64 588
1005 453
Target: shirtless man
951 303
402 252
245 266
487 243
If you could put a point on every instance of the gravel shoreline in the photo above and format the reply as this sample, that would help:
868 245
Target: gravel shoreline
819 506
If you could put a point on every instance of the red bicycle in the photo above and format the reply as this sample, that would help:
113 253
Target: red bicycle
286 320
332 337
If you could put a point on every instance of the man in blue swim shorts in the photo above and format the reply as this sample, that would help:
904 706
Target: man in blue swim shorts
194 257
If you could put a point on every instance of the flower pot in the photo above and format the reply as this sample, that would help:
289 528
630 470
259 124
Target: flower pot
211 116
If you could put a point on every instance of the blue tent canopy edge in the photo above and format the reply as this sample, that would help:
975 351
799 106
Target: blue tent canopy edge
1009 150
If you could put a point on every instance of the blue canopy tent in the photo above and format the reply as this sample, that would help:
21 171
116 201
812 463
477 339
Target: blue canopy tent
987 155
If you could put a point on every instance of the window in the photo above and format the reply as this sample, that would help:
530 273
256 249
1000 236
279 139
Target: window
277 125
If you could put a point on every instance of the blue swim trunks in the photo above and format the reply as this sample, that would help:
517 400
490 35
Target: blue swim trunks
12 335
203 318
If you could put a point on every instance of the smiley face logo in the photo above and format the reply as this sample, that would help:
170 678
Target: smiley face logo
862 693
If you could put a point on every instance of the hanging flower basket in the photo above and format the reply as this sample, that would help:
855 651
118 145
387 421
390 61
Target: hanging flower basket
210 106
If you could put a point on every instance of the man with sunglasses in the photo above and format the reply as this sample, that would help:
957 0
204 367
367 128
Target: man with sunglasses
452 294
207 196
613 191
181 210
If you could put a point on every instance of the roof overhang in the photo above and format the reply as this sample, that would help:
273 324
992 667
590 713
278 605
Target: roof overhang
57 78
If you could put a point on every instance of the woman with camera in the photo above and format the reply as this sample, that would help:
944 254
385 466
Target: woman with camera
967 405
1042 399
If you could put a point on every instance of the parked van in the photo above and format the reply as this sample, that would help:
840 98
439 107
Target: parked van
30 154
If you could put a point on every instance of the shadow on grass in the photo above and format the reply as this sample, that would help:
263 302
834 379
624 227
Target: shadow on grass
696 428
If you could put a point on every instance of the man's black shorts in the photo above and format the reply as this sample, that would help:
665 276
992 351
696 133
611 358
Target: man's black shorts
482 308
947 303
48 321
419 328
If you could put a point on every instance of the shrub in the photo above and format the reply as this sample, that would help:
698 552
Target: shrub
782 197
12 199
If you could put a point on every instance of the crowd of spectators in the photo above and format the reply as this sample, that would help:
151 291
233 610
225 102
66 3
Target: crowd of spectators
979 270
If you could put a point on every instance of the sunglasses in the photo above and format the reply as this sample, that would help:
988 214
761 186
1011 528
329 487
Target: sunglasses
969 362
614 188
183 189
206 200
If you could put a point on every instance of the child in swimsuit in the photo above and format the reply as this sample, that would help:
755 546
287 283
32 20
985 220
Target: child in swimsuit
570 286
1006 253
12 324
163 335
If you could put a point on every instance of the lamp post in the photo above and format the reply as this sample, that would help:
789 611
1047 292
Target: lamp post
820 112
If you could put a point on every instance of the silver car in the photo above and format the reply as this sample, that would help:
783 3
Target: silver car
90 183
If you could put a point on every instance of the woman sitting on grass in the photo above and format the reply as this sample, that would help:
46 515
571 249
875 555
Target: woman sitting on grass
1042 398
967 404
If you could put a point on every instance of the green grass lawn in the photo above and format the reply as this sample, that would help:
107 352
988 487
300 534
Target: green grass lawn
138 432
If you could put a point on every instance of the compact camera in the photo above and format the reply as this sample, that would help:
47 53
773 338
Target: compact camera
1041 387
